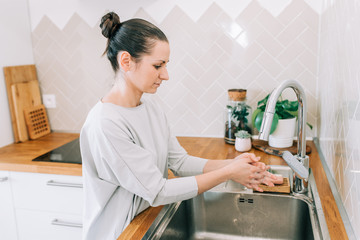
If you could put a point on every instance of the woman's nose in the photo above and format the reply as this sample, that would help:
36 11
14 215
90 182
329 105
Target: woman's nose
164 75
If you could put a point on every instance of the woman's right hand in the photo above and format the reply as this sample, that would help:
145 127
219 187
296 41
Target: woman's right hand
248 171
244 169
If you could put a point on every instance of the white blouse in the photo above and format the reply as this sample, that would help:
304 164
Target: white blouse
126 153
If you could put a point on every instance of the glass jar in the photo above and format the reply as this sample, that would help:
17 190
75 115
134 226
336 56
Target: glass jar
237 115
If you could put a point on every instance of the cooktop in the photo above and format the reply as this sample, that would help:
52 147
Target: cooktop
68 153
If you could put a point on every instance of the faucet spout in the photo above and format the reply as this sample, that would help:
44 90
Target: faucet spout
268 118
266 125
270 110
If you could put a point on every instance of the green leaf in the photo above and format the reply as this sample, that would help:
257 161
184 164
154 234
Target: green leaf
259 119
284 109
289 106
255 113
263 101
295 105
285 115
262 108
293 113
274 123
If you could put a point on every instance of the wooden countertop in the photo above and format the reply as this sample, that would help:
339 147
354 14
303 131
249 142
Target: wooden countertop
17 157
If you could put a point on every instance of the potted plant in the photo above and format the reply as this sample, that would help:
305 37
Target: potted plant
238 114
243 141
284 121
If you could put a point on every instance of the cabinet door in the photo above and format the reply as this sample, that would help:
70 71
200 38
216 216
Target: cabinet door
47 192
7 214
41 225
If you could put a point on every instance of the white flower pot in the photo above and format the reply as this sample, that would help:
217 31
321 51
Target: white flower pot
283 135
243 144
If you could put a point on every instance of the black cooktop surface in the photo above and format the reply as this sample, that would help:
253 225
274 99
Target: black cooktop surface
68 153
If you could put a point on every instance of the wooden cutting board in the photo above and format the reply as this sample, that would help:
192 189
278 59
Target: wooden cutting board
278 188
263 146
24 95
15 75
37 122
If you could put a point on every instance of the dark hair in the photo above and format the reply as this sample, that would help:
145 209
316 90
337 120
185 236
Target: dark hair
136 36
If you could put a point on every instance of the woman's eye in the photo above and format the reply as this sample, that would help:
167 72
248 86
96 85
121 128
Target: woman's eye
157 66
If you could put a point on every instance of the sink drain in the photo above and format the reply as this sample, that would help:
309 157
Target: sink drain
244 200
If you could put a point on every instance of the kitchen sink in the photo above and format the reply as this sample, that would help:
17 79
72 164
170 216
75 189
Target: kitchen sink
226 212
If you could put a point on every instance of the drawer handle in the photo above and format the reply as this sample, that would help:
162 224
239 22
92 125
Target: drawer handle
60 184
65 224
3 179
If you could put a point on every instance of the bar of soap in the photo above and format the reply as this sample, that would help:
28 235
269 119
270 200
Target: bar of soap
279 179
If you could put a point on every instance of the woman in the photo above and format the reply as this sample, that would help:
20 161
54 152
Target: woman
126 144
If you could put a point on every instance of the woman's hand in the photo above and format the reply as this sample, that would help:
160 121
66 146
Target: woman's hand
269 178
248 171
244 169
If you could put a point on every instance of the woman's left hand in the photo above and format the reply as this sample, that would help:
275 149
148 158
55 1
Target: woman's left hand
268 178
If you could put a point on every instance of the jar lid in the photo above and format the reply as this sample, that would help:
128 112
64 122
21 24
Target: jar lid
237 94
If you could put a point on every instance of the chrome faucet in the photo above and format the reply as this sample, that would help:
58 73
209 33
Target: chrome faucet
299 184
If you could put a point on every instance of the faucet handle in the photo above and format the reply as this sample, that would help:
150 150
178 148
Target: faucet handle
295 165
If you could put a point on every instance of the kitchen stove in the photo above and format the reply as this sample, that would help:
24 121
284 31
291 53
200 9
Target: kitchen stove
68 153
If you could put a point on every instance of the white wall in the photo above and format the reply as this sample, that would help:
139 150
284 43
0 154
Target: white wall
15 49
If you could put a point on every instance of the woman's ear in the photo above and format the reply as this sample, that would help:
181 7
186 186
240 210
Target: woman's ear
124 59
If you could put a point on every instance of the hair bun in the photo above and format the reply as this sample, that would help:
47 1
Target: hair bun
110 22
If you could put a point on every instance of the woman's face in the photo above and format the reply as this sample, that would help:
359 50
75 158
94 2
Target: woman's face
148 74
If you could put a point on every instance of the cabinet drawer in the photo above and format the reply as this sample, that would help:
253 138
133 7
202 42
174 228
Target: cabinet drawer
47 192
47 225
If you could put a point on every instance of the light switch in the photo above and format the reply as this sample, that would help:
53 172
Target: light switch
49 100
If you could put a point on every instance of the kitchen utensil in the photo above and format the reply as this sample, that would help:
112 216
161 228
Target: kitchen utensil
263 146
36 121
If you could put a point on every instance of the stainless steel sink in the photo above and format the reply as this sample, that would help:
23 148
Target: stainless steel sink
225 213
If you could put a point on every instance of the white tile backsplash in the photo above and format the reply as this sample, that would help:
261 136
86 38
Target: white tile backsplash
274 7
338 82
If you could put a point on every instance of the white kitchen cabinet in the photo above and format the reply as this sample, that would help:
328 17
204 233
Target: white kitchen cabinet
7 214
47 192
47 206
48 225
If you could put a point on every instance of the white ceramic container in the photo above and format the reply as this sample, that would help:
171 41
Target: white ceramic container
283 136
243 144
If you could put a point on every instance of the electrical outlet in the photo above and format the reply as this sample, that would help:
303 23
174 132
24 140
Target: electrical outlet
49 100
